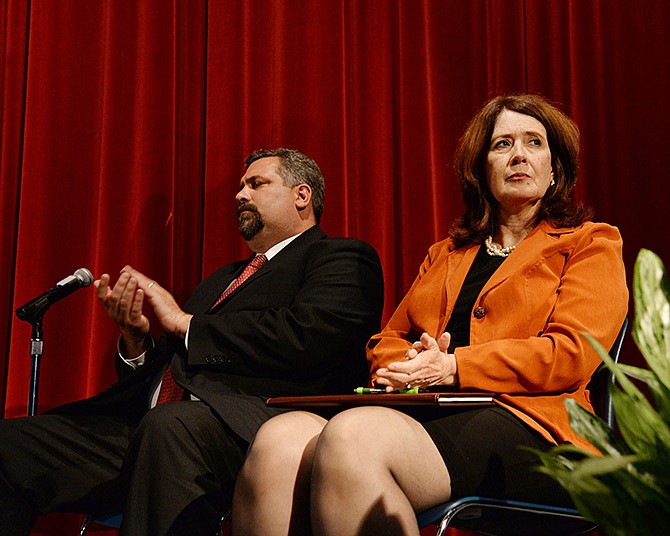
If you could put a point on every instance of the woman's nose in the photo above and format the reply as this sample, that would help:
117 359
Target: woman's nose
519 156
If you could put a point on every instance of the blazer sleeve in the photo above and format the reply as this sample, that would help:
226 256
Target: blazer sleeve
330 311
398 335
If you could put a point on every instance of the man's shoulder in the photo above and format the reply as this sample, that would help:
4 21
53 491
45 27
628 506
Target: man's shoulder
311 245
329 244
344 241
316 240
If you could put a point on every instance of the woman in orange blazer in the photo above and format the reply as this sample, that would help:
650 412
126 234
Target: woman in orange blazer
499 306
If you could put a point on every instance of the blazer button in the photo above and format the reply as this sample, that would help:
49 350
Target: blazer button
479 312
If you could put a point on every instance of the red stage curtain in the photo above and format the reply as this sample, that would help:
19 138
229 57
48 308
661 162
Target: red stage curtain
125 124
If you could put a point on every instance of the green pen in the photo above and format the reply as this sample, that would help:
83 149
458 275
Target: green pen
376 391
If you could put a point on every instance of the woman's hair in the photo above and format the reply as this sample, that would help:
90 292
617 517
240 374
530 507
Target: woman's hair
557 206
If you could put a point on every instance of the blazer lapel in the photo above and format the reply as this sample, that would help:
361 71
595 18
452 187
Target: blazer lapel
458 266
543 238
525 254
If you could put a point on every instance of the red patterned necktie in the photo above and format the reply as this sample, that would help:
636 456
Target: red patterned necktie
248 271
170 390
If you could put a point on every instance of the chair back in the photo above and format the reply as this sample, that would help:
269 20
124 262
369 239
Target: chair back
599 386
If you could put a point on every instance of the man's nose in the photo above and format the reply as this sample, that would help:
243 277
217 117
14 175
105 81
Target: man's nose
242 195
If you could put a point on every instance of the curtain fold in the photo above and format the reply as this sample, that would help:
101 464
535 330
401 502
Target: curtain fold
13 50
125 124
111 173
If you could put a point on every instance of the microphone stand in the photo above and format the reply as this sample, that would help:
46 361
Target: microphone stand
36 349
34 312
35 316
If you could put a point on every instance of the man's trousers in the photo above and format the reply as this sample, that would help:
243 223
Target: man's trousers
170 474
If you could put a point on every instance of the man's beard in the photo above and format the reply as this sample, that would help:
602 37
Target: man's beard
251 223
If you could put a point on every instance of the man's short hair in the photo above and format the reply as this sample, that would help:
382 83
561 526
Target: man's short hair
296 168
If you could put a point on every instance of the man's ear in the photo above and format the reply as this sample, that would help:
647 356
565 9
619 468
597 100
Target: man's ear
303 196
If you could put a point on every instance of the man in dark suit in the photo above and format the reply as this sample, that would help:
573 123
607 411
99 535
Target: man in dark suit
297 325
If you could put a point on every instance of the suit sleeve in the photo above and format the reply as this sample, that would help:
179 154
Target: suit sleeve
334 306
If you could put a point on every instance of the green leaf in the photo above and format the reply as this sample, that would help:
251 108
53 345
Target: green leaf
611 491
594 429
642 428
659 392
640 424
627 489
651 329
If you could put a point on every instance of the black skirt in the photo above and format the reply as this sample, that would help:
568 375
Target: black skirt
481 448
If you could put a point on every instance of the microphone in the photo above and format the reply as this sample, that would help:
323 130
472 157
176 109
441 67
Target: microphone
36 307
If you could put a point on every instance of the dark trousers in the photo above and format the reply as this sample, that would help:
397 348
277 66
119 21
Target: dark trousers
172 474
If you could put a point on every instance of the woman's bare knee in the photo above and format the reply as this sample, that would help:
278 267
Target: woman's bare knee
274 481
355 441
371 429
381 443
280 443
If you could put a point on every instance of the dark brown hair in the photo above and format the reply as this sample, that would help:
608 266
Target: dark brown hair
557 206
296 169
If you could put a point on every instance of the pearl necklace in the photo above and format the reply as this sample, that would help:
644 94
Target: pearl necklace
495 250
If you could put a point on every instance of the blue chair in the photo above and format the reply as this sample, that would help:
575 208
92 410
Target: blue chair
112 521
497 517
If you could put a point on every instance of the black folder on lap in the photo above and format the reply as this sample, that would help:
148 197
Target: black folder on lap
454 398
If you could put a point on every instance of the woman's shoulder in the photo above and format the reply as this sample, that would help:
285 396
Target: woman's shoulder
440 251
587 235
586 229
443 247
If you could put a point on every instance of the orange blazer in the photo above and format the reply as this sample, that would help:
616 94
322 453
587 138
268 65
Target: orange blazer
526 337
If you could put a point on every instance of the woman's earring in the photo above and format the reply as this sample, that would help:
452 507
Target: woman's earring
552 182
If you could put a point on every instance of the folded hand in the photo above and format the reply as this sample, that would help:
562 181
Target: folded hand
426 363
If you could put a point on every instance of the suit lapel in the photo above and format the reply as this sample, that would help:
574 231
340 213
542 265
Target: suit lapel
285 255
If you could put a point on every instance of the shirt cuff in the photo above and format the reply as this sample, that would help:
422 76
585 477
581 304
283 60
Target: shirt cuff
134 362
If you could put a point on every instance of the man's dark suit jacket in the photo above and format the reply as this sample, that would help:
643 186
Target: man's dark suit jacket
297 326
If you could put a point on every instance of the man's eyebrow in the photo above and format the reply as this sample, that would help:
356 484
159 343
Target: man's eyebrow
249 179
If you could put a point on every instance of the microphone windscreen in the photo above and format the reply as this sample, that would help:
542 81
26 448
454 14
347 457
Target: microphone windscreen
85 276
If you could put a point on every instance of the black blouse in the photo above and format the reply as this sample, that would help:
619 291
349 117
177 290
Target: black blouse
483 267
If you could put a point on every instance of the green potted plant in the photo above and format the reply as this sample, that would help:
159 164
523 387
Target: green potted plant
627 489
